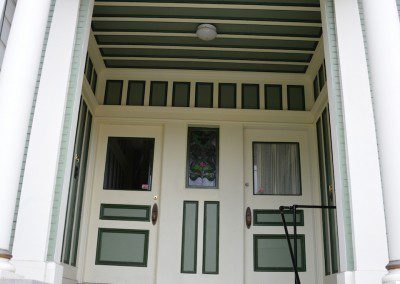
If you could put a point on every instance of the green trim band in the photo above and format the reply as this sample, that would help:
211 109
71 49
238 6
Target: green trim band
105 216
288 217
204 270
194 270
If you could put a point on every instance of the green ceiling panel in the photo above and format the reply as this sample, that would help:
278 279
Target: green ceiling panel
208 13
166 27
205 66
158 43
232 55
218 42
306 3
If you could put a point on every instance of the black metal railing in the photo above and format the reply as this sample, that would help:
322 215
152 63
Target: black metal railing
293 250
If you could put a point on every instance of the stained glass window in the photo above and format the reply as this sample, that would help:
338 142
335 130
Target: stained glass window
202 157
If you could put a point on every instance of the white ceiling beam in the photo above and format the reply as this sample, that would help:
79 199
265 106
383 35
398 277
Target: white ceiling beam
209 21
193 35
209 6
205 48
134 58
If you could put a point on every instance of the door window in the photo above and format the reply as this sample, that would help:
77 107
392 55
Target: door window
276 168
129 163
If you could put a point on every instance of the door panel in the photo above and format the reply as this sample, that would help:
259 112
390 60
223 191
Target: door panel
277 172
122 241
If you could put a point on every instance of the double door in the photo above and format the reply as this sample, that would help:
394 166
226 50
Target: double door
155 219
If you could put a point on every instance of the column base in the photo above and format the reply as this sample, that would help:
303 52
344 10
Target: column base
393 277
5 264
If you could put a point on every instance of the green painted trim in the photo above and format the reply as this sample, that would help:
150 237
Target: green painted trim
173 93
257 237
165 83
195 235
197 94
122 263
303 106
256 212
204 237
266 95
130 83
321 77
215 129
106 91
258 95
220 94
250 2
316 88
104 206
299 157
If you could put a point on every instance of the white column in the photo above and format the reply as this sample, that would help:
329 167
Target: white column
17 84
383 42
367 213
36 203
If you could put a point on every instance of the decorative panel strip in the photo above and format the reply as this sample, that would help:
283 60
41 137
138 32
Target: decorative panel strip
273 218
211 238
125 212
189 237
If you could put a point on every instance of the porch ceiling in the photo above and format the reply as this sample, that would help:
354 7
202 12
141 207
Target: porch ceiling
253 35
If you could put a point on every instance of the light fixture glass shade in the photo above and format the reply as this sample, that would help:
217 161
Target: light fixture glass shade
206 32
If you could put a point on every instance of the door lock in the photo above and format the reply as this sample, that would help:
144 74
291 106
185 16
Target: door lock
155 197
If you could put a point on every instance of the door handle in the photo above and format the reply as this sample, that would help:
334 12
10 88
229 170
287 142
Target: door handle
154 214
248 217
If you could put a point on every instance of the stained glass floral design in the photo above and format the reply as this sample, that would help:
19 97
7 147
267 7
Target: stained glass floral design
202 164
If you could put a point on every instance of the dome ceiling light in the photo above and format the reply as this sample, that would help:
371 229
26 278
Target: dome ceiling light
206 32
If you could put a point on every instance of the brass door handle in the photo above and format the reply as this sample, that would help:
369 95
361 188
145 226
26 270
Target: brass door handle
154 214
248 217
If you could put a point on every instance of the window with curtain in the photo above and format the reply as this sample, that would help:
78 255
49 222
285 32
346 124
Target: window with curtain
276 168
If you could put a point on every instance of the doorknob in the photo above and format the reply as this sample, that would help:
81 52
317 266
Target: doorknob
248 217
154 214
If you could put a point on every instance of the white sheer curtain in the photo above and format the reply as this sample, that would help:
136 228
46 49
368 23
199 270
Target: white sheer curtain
276 168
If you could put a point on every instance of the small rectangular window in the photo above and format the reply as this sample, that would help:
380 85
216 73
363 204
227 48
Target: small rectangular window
296 100
321 76
276 168
204 95
129 163
181 94
158 93
211 238
94 81
271 253
113 93
316 88
89 71
227 95
135 93
202 157
250 96
273 97
189 237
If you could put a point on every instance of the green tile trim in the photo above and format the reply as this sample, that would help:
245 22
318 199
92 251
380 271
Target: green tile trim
104 216
216 271
78 59
336 108
122 263
21 178
194 271
257 268
288 216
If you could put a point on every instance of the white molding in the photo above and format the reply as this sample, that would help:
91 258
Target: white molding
317 60
95 54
